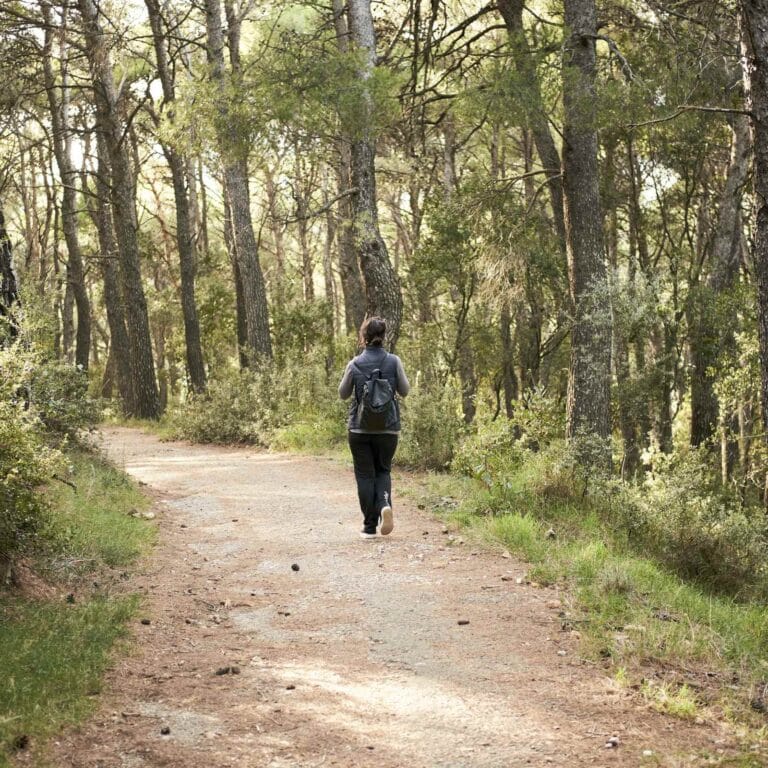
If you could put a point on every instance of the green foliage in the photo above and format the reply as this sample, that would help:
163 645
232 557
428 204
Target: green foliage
25 464
678 515
695 526
60 398
623 599
98 520
295 404
432 424
236 408
26 460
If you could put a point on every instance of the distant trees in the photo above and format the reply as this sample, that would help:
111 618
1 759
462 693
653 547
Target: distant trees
234 151
544 211
754 21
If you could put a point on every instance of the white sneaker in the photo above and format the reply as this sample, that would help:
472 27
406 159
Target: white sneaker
364 535
387 520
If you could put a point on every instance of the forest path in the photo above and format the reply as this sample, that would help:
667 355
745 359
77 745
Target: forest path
357 658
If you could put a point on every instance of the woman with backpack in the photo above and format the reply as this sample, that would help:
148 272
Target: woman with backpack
374 378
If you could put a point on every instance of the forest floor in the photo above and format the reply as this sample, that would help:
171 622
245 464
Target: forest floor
400 651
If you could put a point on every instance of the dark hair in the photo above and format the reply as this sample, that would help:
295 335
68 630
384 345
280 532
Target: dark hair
372 332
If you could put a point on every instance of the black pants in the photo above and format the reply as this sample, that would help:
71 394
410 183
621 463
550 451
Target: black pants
372 456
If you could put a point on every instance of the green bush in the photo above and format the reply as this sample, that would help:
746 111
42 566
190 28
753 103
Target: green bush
491 452
294 404
25 464
679 515
59 395
26 460
696 527
432 425
236 408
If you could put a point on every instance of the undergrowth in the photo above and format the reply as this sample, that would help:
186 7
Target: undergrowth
54 655
57 636
645 592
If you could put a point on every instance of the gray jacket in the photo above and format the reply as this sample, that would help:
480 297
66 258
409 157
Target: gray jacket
360 367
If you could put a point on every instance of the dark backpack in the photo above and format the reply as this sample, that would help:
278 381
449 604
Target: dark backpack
377 408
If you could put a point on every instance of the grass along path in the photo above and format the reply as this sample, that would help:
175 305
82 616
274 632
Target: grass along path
57 641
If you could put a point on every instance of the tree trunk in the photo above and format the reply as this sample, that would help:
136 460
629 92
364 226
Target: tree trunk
123 189
638 257
120 347
754 59
349 268
276 225
508 378
68 318
182 183
234 156
332 317
711 330
9 292
242 330
589 392
525 64
620 347
382 288
62 149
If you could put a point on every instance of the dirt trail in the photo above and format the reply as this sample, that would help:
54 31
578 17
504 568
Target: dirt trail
357 658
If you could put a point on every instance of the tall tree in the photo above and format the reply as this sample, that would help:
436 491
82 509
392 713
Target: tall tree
58 92
382 288
535 110
182 184
754 29
349 268
109 261
234 157
9 292
712 330
123 190
589 390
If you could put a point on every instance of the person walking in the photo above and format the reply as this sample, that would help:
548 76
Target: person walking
373 379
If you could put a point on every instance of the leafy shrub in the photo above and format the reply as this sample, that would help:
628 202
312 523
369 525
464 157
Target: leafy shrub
432 425
491 453
295 404
59 395
26 460
696 527
25 464
235 409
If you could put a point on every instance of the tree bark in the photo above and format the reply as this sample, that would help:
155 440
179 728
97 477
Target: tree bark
234 157
120 347
182 184
62 150
123 187
754 59
240 319
508 377
382 288
525 65
349 269
620 347
589 393
711 330
9 291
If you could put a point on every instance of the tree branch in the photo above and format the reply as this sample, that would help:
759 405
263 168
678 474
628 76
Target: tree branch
692 108
322 209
